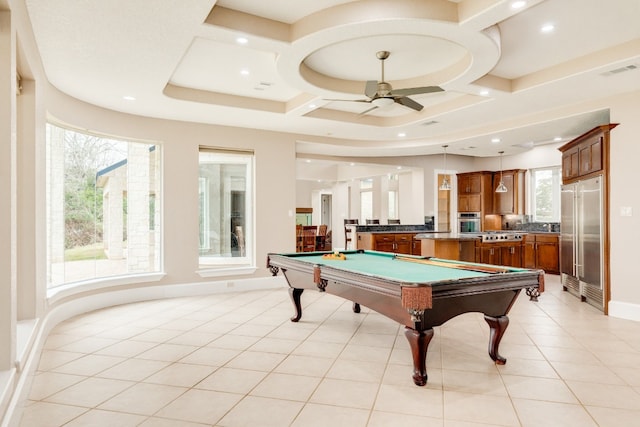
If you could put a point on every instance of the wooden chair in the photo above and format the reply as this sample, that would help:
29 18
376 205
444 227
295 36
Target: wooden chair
299 243
347 231
240 237
393 221
309 233
373 221
321 238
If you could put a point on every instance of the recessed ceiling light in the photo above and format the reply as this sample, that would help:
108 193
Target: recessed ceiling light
484 92
495 140
402 134
518 4
557 138
399 167
312 105
129 98
244 72
352 164
242 40
547 28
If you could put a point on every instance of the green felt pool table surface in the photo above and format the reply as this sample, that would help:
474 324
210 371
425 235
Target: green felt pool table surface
386 265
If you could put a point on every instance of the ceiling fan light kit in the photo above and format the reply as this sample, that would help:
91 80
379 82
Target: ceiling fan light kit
382 102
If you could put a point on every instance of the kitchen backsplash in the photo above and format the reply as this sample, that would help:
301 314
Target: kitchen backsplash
524 223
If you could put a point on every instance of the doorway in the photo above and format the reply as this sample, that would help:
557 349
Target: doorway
325 210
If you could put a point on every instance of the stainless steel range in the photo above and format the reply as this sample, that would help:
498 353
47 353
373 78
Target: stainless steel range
500 236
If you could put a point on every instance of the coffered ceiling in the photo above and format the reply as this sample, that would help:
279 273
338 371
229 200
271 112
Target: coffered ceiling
279 65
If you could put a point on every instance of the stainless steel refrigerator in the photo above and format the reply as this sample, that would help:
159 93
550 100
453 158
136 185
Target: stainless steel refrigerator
581 240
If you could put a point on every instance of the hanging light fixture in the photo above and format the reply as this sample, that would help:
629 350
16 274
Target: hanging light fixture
501 187
446 185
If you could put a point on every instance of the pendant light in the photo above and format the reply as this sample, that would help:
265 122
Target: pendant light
501 187
446 185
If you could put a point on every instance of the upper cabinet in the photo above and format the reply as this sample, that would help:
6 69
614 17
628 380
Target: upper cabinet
474 192
511 202
587 154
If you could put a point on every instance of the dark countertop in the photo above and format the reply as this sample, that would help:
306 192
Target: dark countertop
448 236
391 228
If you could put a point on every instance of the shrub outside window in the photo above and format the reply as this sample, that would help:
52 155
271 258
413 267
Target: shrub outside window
545 194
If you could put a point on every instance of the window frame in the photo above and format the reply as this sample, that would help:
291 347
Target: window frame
62 289
556 183
228 265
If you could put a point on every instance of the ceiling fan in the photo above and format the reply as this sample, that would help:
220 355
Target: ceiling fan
381 94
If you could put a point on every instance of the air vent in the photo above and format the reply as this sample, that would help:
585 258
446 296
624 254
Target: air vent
263 86
432 122
619 70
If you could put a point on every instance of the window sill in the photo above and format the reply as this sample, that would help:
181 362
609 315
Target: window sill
63 291
226 271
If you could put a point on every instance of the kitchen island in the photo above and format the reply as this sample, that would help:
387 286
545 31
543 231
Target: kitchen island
455 246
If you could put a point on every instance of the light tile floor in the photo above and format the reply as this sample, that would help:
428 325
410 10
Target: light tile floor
236 360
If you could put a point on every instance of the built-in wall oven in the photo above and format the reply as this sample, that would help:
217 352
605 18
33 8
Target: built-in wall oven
469 222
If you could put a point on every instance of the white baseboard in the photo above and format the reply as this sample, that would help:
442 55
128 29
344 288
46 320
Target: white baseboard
624 310
13 397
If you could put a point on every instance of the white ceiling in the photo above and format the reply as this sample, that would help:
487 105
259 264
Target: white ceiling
180 60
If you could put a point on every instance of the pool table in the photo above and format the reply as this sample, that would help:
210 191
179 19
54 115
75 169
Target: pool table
418 292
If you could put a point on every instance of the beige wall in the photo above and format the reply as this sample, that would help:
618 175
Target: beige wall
625 231
274 178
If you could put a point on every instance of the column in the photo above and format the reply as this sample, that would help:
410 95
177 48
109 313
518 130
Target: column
8 248
138 233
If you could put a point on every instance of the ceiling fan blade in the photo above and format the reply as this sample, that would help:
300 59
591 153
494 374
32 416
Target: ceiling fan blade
371 88
348 100
366 111
408 102
416 90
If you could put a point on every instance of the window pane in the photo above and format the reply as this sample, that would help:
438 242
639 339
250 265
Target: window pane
545 185
393 205
103 213
226 212
366 206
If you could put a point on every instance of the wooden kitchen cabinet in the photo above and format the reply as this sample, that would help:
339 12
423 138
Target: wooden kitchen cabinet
547 253
475 193
511 202
507 253
469 183
469 203
511 255
416 247
590 155
570 164
587 155
529 251
542 251
396 243
404 243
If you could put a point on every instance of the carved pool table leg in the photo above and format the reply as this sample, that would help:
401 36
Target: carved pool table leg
498 325
356 307
419 342
295 293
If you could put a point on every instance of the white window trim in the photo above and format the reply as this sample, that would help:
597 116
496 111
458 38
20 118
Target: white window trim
215 266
